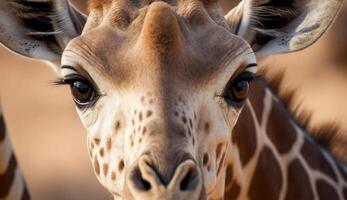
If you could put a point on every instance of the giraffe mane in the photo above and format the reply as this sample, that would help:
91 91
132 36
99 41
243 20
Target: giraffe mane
328 135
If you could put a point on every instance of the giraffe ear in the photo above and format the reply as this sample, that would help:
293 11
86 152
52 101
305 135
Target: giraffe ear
39 29
281 26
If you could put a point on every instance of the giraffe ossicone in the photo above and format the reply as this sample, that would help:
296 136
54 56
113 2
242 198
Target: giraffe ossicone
168 94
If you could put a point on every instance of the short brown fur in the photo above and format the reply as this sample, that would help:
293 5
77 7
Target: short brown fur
95 4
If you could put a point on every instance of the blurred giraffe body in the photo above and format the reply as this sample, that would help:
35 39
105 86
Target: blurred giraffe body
12 185
168 95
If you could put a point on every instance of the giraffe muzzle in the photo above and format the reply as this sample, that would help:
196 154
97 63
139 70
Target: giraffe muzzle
144 182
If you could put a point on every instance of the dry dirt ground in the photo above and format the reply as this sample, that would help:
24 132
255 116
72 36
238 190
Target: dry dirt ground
51 143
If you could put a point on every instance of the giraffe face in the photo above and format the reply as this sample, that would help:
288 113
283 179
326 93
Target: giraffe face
159 90
160 84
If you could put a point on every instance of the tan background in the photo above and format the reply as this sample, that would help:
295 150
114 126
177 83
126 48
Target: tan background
51 143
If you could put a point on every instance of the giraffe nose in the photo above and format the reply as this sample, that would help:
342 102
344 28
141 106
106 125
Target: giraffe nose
144 182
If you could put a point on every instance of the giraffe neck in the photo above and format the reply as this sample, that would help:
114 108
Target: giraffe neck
272 157
12 185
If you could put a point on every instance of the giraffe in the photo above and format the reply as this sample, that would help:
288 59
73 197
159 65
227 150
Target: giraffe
12 183
11 180
169 95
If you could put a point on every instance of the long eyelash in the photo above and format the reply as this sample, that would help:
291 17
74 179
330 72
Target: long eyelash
59 81
252 78
67 80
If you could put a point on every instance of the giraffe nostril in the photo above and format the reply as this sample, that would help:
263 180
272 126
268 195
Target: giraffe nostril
146 186
144 180
139 182
185 182
190 180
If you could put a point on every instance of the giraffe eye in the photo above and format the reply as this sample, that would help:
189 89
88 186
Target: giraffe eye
82 90
237 90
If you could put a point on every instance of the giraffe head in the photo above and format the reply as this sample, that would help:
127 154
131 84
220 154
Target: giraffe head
159 85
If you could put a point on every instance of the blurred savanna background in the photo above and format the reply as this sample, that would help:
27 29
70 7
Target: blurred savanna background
50 142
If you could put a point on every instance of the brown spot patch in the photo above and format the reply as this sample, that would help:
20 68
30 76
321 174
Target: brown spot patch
281 132
109 144
105 169
206 159
189 132
316 160
96 166
182 133
256 97
298 183
121 166
184 119
149 113
267 179
234 192
113 176
232 189
244 135
191 123
131 142
326 191
96 141
140 116
207 127
117 125
101 152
